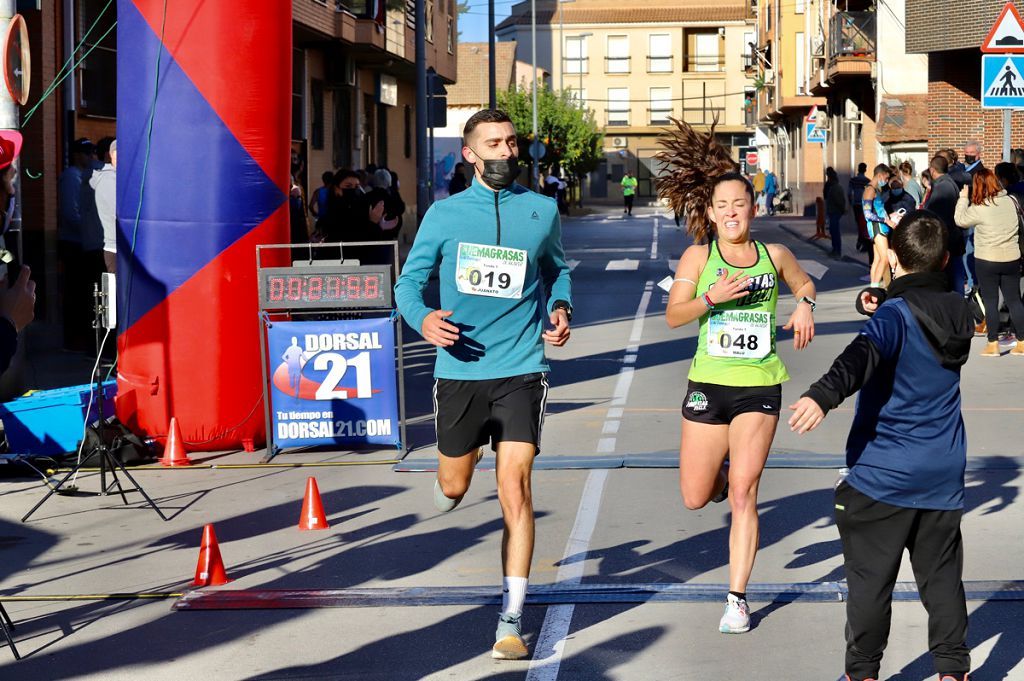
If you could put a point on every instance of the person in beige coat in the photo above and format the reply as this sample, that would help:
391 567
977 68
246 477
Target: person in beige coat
985 205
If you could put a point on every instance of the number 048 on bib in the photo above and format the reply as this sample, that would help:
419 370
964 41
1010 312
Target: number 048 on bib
740 334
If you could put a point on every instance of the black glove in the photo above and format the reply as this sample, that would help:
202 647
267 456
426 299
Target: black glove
876 292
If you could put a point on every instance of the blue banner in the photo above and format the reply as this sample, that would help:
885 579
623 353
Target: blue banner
333 383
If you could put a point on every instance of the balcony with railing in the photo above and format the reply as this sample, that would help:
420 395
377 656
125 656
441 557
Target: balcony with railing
851 44
704 63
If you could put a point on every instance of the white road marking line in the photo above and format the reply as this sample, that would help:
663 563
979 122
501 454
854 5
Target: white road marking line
641 314
625 265
572 264
547 656
654 241
622 386
813 268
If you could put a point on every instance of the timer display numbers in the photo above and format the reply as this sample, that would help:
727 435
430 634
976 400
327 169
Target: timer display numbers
329 288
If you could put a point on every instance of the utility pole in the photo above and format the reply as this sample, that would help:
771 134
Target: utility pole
424 190
492 95
536 136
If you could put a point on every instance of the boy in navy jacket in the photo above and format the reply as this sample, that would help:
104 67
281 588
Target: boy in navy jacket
906 452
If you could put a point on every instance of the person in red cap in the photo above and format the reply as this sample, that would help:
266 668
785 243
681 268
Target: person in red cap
17 303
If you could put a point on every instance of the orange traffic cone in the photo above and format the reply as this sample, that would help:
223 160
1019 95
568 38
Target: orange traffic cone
210 569
312 517
174 452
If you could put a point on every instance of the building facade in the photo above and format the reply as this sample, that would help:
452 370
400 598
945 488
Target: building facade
785 31
949 35
353 100
637 66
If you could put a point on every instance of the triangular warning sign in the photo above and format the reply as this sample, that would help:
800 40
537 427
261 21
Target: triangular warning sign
1007 34
1008 81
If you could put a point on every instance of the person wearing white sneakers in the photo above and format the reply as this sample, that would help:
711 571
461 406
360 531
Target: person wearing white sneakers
730 286
994 215
497 247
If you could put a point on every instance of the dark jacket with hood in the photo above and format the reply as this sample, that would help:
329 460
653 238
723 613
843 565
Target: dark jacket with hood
942 201
907 446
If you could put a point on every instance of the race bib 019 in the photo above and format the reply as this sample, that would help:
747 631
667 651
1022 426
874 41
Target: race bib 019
739 334
493 271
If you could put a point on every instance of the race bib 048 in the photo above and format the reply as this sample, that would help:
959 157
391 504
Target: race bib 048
493 271
739 334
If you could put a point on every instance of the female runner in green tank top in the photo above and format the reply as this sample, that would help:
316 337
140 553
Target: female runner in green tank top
730 284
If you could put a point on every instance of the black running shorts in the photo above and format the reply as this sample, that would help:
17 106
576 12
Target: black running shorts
720 404
469 414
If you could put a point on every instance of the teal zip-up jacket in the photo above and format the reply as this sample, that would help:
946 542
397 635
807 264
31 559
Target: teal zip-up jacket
499 337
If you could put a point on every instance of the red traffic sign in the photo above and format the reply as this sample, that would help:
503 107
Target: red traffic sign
751 158
17 62
1007 34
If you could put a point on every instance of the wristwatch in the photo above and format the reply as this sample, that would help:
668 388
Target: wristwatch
563 305
809 301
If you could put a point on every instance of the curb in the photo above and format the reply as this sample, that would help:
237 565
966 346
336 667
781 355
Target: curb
820 246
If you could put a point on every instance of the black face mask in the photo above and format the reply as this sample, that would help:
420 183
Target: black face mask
500 173
349 193
970 159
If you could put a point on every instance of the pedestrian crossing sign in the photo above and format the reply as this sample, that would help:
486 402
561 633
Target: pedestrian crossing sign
1002 85
816 134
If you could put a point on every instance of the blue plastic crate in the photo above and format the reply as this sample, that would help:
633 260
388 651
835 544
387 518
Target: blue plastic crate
51 421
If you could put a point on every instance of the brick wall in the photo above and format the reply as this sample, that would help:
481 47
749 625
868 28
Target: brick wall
954 107
950 24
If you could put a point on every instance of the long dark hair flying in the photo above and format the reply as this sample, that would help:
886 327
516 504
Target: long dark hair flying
695 163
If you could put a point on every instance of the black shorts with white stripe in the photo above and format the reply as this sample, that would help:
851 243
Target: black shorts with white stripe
469 414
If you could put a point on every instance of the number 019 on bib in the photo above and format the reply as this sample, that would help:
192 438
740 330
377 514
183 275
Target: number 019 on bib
493 271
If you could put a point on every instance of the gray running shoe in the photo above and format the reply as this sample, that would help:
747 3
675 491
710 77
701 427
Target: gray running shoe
508 639
441 502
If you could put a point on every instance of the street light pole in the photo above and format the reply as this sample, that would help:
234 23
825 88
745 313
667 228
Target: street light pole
492 79
424 192
536 137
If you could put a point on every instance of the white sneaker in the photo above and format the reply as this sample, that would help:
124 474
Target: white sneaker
736 619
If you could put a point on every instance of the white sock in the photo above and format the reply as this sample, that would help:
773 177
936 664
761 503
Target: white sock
513 594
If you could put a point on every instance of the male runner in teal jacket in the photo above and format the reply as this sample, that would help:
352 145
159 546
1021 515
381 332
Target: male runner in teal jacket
499 248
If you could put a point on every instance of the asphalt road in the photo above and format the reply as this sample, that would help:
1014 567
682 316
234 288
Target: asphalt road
608 513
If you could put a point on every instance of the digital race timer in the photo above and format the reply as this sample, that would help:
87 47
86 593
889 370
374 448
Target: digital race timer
285 288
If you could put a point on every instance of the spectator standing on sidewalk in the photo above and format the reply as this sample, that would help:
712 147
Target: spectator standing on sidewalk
1009 178
835 207
75 286
758 182
104 187
942 201
318 204
910 185
855 194
458 182
987 207
771 188
899 198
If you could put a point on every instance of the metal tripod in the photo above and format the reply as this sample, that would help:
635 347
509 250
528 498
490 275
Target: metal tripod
107 461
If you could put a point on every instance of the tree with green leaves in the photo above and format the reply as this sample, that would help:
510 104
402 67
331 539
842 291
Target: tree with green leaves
569 132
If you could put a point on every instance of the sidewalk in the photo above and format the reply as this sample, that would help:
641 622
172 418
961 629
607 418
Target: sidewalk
804 228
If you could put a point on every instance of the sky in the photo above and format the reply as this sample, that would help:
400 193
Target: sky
473 23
